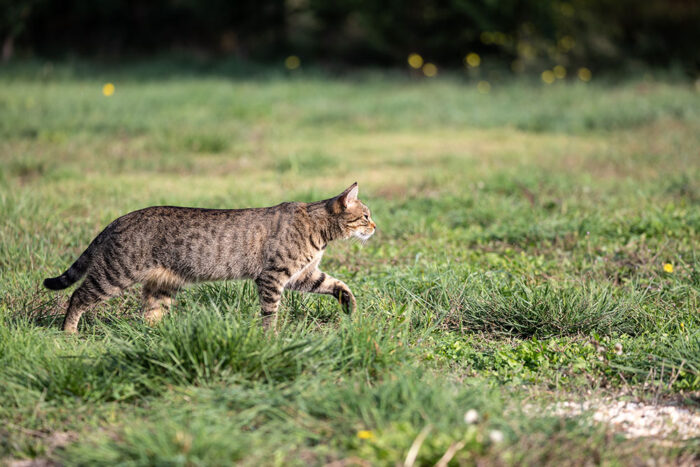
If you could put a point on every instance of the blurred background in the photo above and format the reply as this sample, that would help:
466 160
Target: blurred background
519 35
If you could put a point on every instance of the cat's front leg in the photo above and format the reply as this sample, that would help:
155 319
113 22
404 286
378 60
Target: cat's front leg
270 286
345 297
316 281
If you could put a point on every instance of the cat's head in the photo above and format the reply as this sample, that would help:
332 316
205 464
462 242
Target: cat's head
354 218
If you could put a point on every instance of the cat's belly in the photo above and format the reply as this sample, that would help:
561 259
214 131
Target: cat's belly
228 270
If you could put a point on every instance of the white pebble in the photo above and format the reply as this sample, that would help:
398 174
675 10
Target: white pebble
496 436
471 416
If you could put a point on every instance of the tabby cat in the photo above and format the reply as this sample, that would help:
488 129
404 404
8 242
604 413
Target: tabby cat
166 247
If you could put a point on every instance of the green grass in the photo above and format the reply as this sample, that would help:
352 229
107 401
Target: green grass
522 241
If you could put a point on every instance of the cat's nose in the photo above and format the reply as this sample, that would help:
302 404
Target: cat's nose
374 226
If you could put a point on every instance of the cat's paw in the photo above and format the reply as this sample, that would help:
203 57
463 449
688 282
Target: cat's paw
269 322
346 300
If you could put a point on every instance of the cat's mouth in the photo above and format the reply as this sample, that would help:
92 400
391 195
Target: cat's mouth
364 236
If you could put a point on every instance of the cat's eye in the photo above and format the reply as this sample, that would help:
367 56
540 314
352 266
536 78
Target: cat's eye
366 217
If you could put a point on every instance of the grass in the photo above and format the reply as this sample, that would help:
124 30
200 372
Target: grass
520 259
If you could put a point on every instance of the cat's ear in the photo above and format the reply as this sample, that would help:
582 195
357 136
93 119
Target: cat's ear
348 196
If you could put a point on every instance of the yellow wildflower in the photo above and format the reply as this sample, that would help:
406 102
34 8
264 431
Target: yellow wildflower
292 62
415 61
108 89
473 60
365 434
483 87
584 74
429 70
668 267
548 76
559 72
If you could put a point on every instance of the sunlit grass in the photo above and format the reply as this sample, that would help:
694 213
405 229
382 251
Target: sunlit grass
531 240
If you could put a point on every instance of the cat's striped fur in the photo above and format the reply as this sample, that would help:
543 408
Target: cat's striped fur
166 247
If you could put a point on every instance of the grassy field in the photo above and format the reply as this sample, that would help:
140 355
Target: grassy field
535 244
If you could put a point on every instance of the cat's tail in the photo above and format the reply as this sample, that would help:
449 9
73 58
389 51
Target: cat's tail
73 274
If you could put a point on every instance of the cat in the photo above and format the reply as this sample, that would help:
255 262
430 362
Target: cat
167 247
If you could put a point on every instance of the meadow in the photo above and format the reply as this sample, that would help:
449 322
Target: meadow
536 243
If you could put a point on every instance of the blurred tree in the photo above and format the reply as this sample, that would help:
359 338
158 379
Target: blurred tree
119 26
526 33
14 15
659 32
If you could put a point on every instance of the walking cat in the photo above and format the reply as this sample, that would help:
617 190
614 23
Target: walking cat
166 247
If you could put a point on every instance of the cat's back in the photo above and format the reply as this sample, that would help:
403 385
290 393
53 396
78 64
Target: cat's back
176 222
178 218
197 243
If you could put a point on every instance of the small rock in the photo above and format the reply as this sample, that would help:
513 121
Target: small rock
471 416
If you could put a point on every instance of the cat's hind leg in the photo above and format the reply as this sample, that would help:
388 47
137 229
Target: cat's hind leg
270 286
157 300
96 288
159 288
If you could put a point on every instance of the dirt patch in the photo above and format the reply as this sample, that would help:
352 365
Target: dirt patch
637 419
53 440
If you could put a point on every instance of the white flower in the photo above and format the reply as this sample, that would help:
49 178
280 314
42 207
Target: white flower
618 348
496 436
471 416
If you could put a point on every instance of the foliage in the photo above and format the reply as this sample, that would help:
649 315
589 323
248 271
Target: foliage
525 34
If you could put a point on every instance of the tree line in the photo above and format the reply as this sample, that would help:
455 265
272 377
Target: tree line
600 32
